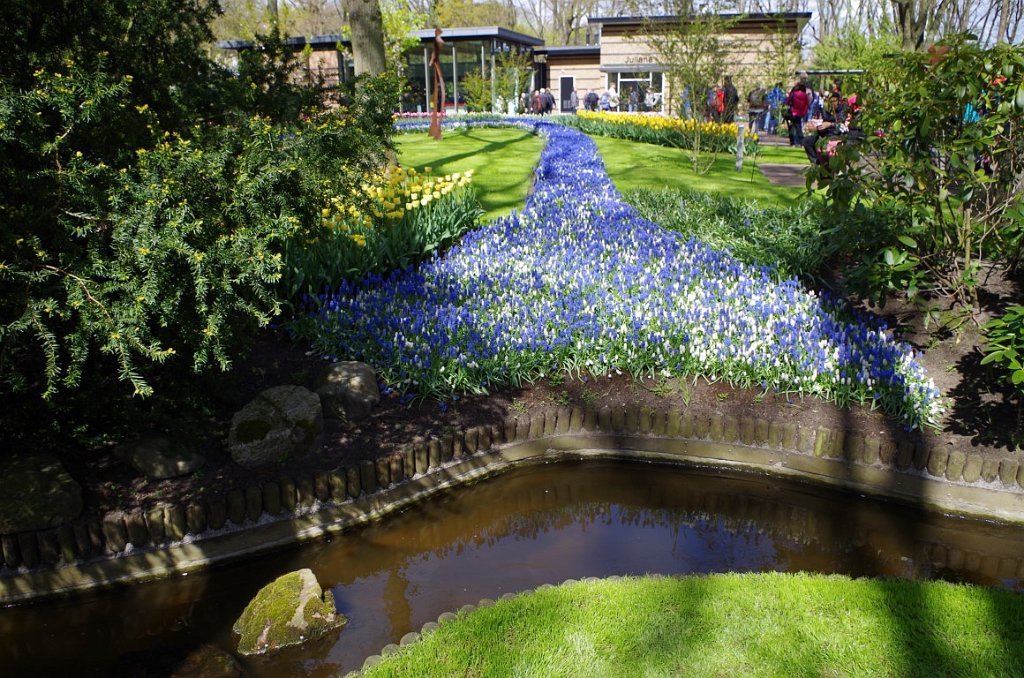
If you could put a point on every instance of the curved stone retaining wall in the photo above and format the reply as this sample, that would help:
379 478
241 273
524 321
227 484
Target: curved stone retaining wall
138 545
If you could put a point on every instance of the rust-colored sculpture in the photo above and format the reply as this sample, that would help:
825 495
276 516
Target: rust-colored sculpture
439 95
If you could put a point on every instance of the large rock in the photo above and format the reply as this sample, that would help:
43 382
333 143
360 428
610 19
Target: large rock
36 493
290 610
158 458
348 390
280 422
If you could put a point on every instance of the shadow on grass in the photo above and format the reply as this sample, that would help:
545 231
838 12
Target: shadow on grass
499 191
924 636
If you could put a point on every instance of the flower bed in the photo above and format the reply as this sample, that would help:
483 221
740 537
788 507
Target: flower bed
394 218
579 282
662 130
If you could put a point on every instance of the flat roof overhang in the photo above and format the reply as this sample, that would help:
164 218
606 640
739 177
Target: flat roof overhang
801 19
454 34
571 50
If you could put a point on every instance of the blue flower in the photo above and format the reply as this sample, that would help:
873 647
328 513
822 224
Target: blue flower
579 280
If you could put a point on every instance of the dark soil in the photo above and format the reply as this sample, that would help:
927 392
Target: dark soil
982 417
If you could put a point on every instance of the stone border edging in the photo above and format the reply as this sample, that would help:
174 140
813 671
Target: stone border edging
444 617
139 545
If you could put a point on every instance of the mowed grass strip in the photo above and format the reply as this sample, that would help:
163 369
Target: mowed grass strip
633 165
502 161
729 625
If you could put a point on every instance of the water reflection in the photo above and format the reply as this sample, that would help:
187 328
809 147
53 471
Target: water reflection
537 525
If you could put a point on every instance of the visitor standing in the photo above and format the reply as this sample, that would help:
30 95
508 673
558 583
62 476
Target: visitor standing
816 105
731 100
775 98
606 101
634 99
798 108
687 109
547 100
590 101
613 98
574 101
719 104
756 108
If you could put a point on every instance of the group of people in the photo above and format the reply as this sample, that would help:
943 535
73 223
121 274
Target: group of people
809 115
812 115
721 102
606 100
542 102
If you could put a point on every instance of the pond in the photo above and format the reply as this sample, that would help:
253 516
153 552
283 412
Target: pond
535 525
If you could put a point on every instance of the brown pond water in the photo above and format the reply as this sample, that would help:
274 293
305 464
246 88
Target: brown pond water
536 525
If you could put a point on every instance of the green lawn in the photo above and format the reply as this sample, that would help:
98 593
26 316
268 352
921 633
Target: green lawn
634 165
502 161
729 625
782 155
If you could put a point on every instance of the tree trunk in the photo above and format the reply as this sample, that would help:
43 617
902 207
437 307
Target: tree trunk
367 31
1004 22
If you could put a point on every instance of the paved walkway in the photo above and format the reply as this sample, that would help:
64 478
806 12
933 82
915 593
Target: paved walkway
784 175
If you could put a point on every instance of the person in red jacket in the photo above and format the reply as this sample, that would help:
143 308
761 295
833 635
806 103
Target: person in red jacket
798 103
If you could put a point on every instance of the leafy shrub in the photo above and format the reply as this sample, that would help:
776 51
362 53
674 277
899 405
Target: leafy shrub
943 159
476 90
789 238
170 257
1004 346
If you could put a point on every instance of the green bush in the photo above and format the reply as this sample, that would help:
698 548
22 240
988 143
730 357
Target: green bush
173 258
789 238
942 157
1004 346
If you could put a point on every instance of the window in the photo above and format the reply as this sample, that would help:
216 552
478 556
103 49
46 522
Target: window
649 87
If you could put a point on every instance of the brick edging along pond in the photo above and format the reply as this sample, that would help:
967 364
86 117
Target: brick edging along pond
138 545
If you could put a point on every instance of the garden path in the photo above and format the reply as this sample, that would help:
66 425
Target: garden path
784 175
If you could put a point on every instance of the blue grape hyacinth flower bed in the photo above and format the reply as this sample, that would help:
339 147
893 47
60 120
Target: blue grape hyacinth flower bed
578 281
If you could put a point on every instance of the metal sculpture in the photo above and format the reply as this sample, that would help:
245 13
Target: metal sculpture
439 94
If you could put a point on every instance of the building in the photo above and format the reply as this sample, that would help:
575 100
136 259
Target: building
467 51
623 58
620 57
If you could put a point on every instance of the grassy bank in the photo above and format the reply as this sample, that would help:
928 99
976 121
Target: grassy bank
735 625
502 161
633 165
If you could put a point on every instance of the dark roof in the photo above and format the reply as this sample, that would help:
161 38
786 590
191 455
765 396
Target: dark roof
299 41
669 18
474 33
570 50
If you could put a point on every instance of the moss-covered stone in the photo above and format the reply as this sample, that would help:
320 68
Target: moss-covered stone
289 611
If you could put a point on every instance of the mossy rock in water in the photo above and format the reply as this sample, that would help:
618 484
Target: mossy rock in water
290 610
